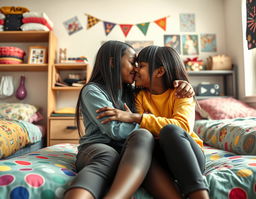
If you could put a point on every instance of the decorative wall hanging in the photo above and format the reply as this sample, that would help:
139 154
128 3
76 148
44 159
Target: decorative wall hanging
187 23
172 41
139 45
251 23
72 25
91 21
126 28
208 42
143 27
161 23
108 26
190 44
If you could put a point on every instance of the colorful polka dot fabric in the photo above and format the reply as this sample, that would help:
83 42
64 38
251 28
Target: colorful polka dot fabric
231 161
230 176
45 174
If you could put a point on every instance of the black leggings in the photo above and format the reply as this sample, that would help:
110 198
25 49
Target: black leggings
183 159
100 165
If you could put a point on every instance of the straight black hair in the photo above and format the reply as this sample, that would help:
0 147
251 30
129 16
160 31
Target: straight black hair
107 72
166 57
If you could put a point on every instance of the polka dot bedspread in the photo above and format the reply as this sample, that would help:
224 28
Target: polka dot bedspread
46 173
42 174
230 176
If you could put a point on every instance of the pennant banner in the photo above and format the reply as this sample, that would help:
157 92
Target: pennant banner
161 23
108 26
126 28
91 21
143 27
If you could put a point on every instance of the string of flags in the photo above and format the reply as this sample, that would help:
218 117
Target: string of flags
108 26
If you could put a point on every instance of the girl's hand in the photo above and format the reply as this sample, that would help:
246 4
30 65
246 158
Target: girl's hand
113 114
184 89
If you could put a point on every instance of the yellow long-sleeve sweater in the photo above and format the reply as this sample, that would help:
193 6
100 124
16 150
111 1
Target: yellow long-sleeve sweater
166 108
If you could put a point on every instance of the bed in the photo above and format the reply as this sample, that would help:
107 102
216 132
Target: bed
19 133
230 151
46 173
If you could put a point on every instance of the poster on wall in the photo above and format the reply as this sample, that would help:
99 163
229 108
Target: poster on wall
72 25
208 42
187 23
172 41
251 24
138 45
190 44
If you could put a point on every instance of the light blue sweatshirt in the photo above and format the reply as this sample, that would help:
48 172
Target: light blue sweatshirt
95 97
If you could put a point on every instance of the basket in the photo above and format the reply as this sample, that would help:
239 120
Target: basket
219 62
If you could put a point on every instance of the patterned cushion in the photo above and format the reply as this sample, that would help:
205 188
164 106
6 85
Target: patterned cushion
224 108
235 135
17 111
13 137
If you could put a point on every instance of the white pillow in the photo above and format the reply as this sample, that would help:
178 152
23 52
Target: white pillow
2 16
33 26
37 14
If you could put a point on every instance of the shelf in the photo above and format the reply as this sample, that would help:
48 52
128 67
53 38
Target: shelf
24 36
74 66
207 97
59 118
210 72
67 88
23 67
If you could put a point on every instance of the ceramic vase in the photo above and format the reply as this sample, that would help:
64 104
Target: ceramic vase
21 92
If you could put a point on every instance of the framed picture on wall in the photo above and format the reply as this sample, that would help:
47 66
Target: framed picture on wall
138 45
190 44
172 41
37 55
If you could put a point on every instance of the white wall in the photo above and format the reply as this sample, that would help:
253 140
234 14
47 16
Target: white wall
210 18
235 10
234 39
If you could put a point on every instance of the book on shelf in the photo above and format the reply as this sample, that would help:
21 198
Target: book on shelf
63 115
61 84
77 84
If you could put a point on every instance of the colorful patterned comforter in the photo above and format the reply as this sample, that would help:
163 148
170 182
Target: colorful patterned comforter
16 134
235 135
230 176
46 173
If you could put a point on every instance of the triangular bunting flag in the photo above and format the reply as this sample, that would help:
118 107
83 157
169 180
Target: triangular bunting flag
108 26
91 21
126 28
162 23
143 27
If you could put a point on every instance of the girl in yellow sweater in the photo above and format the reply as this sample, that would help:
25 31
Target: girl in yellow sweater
178 151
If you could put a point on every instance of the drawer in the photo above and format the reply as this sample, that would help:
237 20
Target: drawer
53 142
63 129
